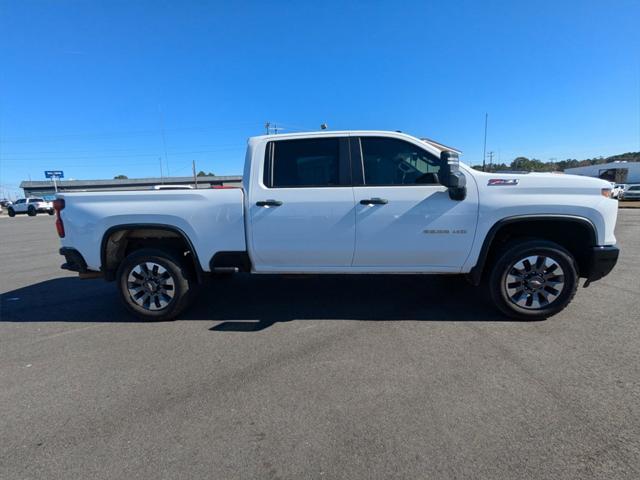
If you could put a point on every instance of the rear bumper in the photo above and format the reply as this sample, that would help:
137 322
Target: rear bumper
74 260
602 261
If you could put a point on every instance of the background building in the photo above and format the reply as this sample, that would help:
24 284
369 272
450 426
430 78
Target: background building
619 172
46 187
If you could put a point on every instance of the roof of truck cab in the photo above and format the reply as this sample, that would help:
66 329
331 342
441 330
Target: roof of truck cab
333 133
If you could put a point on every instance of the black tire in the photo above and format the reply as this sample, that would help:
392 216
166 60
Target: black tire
536 293
50 212
11 212
182 285
32 212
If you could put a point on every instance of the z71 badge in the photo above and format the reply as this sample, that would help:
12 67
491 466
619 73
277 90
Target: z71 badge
502 181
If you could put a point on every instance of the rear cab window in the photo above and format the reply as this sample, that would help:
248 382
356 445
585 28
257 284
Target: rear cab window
316 162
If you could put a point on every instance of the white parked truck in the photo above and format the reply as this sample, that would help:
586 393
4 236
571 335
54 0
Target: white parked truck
30 206
356 202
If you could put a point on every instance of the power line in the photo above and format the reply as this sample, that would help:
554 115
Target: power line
116 133
89 157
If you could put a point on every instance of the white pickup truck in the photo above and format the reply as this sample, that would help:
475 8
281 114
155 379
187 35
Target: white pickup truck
30 206
349 202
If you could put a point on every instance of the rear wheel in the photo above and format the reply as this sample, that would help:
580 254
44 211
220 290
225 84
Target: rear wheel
533 279
154 285
11 212
50 212
32 212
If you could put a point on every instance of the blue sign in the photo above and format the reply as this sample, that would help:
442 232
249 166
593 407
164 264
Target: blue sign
54 173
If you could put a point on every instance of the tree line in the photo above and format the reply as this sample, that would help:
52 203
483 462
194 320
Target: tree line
535 165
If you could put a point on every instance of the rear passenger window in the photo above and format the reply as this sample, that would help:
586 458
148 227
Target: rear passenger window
388 161
302 163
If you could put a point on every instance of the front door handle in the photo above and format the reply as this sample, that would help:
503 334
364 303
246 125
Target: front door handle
269 203
374 201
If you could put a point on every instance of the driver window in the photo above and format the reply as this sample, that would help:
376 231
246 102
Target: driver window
388 161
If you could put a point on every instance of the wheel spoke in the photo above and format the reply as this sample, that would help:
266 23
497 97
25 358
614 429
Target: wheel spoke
137 275
542 299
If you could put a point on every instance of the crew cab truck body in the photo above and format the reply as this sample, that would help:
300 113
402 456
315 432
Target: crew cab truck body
349 202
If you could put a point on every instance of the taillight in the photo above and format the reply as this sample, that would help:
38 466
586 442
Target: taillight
58 205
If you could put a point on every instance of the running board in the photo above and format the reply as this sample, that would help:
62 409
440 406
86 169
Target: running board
226 270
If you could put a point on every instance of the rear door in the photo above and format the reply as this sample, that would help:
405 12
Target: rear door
406 220
302 207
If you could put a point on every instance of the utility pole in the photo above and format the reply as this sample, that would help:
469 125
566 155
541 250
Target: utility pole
484 150
267 126
161 177
164 141
195 177
490 155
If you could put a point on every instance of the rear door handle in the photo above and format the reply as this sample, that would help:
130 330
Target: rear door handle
269 203
374 201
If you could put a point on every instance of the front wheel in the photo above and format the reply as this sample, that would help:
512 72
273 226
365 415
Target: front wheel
154 284
32 212
533 279
50 212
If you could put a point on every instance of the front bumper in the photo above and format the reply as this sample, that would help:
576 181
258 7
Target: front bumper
602 261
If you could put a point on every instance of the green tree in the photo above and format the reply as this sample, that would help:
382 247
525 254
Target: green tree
120 177
201 173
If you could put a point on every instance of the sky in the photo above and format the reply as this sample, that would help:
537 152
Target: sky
102 88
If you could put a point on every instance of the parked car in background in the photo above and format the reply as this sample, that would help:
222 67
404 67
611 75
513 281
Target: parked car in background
617 190
30 206
632 192
4 203
172 187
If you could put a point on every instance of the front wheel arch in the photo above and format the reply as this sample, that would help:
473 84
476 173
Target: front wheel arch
574 233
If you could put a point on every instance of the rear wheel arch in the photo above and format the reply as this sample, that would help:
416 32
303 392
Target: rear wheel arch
121 240
577 239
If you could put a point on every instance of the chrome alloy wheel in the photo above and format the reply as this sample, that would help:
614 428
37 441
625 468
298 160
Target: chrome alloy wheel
151 286
534 282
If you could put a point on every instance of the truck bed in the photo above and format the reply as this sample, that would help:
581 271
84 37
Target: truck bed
212 219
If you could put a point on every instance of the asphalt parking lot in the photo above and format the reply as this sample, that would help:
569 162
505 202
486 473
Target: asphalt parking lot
343 377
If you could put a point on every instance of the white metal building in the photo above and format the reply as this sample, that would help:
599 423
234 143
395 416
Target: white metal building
46 187
619 172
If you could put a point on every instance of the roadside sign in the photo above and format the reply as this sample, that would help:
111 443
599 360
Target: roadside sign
54 174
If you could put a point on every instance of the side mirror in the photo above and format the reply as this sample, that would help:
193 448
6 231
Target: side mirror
452 177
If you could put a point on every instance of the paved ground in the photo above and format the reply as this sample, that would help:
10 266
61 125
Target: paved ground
292 378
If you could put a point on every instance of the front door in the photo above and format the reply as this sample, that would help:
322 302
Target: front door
302 212
405 219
